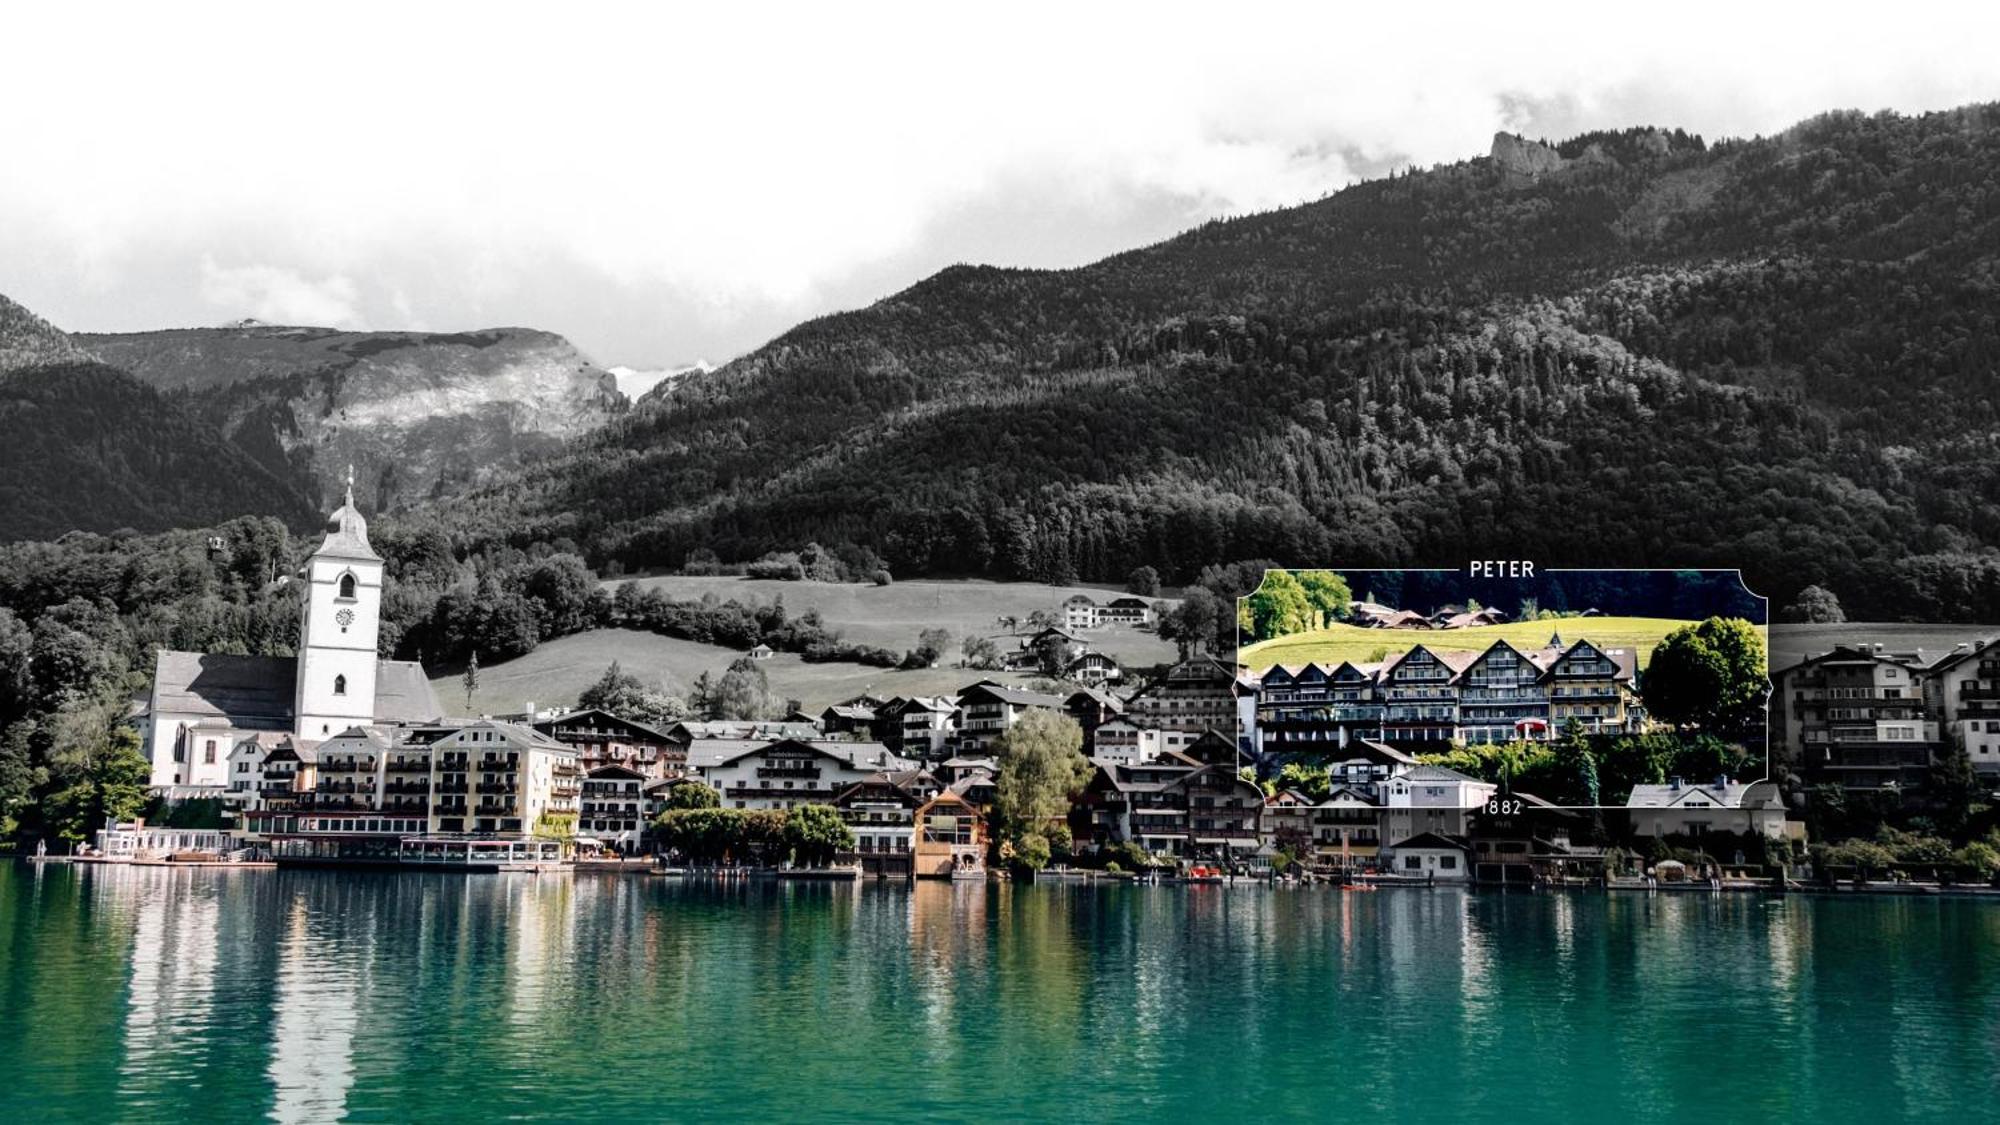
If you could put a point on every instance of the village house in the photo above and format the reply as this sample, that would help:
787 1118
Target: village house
503 779
921 727
1079 612
1224 813
1963 689
601 738
1093 669
1680 809
1430 799
881 812
1856 717
1593 687
613 813
1346 829
950 840
1140 802
988 710
1516 839
1433 856
789 772
1193 697
1128 610
1420 696
1501 696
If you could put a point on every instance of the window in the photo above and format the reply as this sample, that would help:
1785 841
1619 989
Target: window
339 685
208 752
1448 862
1412 863
347 586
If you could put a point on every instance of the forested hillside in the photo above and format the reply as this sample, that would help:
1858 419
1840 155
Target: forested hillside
417 415
84 446
1635 349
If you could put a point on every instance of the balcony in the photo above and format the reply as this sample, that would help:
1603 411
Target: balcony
496 787
417 766
788 771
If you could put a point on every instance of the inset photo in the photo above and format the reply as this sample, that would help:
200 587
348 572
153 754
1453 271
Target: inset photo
1419 710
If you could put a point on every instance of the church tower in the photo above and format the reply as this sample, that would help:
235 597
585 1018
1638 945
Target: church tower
343 608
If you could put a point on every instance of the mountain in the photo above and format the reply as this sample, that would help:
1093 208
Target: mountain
417 414
1626 349
84 446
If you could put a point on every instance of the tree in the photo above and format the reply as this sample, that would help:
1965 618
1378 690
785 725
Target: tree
1710 675
1327 593
1041 764
1030 851
981 653
1955 787
1577 766
626 696
1815 605
931 644
744 692
1199 622
815 833
1143 581
692 795
471 679
1312 780
113 787
1280 606
1052 656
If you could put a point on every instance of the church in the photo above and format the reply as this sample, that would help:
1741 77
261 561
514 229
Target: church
203 704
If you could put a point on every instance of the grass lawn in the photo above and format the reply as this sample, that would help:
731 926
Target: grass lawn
1348 642
558 671
1791 644
892 616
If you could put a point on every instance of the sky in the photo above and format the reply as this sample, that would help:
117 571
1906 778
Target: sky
671 183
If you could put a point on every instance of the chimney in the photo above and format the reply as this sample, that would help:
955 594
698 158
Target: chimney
1674 784
529 707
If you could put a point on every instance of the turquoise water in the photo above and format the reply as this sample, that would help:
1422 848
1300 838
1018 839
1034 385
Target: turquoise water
154 994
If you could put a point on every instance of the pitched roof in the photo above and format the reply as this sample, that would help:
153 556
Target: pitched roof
1020 697
1434 840
252 692
403 694
1730 795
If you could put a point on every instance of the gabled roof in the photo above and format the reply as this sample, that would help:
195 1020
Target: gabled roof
1129 602
1430 773
1986 649
1455 662
598 715
853 755
622 773
513 734
1434 840
1729 795
252 692
1347 795
1019 697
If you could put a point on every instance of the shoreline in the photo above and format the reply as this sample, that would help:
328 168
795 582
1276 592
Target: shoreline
1094 878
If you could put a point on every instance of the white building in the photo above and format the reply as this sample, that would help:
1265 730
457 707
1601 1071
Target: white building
502 779
788 772
1429 799
1967 684
203 704
1680 809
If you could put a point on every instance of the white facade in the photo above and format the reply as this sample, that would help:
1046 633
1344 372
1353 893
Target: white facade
789 772
1676 809
335 686
1430 799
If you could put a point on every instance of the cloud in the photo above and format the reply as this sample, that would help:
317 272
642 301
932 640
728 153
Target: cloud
278 295
661 182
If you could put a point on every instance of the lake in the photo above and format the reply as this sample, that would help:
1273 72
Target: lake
162 995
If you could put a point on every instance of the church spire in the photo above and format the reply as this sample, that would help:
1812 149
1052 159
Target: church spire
346 530
350 485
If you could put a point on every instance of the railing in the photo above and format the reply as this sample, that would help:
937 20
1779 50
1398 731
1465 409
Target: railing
787 771
496 787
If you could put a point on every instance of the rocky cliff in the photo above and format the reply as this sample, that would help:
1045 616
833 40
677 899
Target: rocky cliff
416 414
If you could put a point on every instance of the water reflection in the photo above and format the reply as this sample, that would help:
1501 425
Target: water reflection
151 993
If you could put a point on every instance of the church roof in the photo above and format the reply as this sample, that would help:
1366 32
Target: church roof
347 531
257 692
252 692
403 694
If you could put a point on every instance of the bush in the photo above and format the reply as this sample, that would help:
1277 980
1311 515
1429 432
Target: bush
881 577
